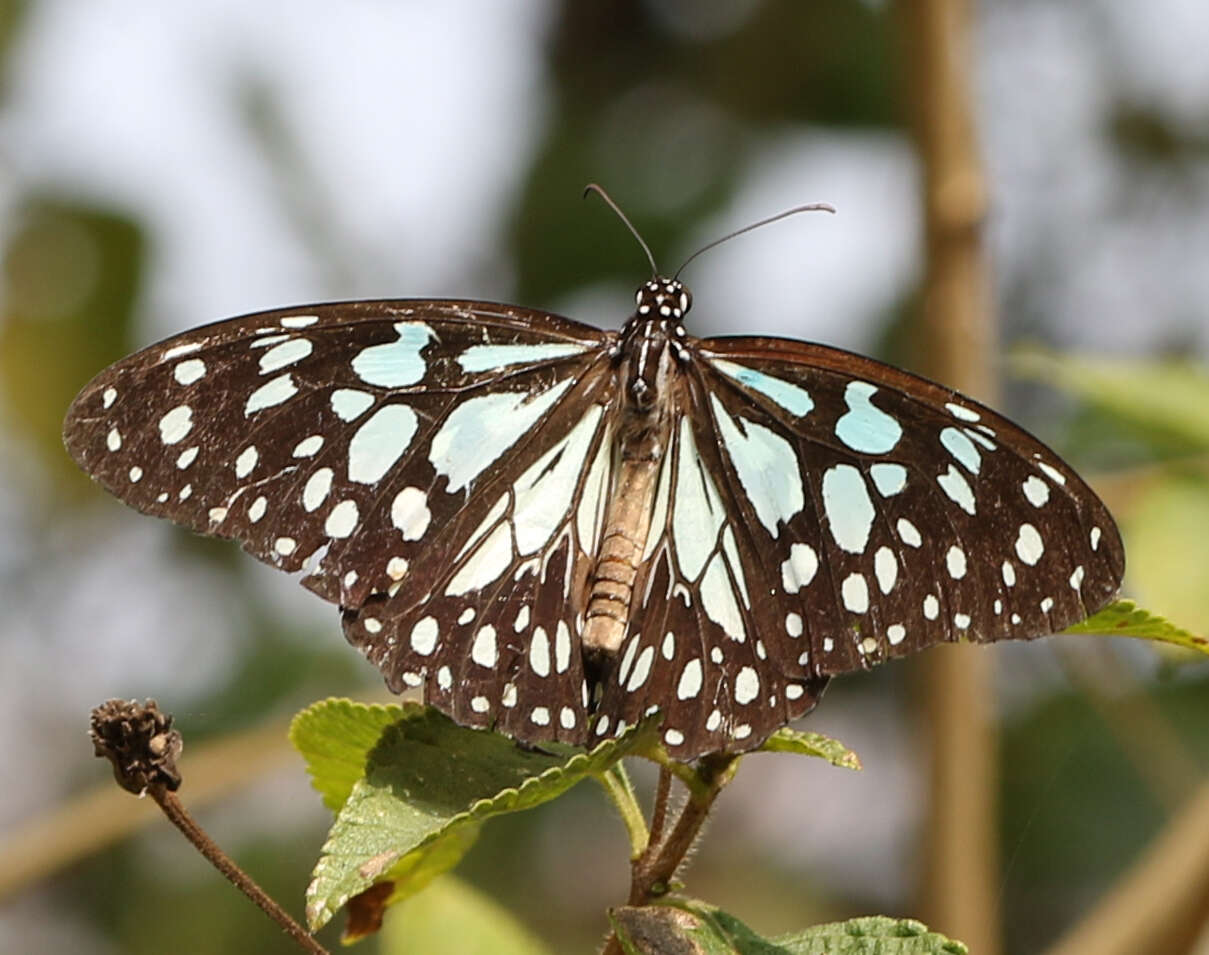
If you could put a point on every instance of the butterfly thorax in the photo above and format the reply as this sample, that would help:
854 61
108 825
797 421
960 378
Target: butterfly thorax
648 354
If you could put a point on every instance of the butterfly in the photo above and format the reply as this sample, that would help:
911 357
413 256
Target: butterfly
556 531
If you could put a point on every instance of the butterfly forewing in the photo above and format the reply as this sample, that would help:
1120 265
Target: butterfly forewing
902 514
346 433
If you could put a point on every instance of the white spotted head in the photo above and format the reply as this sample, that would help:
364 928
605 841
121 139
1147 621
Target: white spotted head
663 298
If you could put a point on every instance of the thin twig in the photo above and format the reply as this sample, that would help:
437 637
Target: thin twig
179 817
663 791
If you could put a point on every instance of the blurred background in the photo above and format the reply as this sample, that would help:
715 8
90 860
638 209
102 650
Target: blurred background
166 165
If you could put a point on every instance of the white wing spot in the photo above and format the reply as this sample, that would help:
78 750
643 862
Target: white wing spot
189 371
1036 490
908 533
1009 573
713 721
342 521
896 633
885 568
424 636
747 686
690 680
540 716
562 647
508 698
955 560
1054 474
466 616
1029 546
964 414
794 691
217 515
673 737
539 652
113 440
372 625
109 396
285 546
799 570
246 461
258 508
316 489
299 321
1095 538
669 645
742 731
136 474
961 620
566 718
793 624
176 424
410 514
855 592
1076 578
187 457
522 619
444 678
396 568
177 350
642 669
480 704
957 489
1047 604
848 507
270 394
718 600
287 353
186 492
483 652
867 646
308 447
931 607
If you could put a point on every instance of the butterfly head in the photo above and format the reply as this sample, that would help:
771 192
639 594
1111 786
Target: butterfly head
663 298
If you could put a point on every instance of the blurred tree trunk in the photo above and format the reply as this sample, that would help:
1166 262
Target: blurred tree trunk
961 859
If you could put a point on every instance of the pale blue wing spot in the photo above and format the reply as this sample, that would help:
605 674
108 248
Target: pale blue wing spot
270 394
349 403
962 448
766 465
865 427
957 489
380 442
479 430
889 479
395 364
287 353
697 512
848 507
486 357
795 400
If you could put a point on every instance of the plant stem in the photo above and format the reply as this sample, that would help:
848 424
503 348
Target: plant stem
179 817
616 783
652 871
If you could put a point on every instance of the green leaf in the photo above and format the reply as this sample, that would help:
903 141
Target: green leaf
335 738
453 918
1167 529
428 786
1124 618
692 927
1166 399
786 740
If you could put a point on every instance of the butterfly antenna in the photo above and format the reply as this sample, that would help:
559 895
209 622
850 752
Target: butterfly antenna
813 207
592 187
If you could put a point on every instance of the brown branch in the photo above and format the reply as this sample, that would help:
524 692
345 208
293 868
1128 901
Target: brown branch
961 870
140 743
651 874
